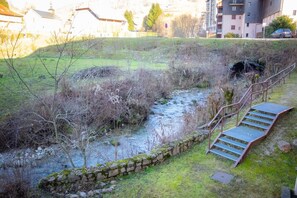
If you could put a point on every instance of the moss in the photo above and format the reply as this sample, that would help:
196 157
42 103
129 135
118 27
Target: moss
163 101
66 172
204 84
55 175
114 142
84 170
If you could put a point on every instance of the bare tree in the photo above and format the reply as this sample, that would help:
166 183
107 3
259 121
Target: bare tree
185 26
51 110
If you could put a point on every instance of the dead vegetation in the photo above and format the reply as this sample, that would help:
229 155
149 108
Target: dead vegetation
96 72
127 100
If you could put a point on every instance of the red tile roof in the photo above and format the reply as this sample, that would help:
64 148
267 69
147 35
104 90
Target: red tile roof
5 11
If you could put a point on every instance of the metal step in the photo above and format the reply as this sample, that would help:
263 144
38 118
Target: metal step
263 115
263 112
271 108
244 133
232 142
253 124
223 154
257 119
228 148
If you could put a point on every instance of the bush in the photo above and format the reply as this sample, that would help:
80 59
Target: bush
101 106
15 183
231 35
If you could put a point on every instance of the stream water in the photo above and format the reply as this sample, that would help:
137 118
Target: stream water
164 122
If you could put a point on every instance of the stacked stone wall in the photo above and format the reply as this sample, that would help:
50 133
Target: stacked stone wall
76 179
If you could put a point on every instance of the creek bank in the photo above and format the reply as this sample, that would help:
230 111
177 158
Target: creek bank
73 180
164 122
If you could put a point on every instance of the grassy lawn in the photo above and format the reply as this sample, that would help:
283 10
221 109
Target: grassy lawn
262 174
34 73
127 54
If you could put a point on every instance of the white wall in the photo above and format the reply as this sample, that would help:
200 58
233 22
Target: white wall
84 23
270 18
11 19
252 30
38 25
11 23
228 22
288 7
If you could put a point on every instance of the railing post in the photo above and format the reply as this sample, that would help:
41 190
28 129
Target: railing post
266 90
209 137
251 98
263 91
237 115
222 124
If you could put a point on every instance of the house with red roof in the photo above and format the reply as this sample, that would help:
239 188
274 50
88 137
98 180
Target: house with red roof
10 20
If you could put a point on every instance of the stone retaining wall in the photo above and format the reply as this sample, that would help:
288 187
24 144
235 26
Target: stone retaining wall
76 179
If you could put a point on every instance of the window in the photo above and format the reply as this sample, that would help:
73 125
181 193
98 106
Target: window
239 28
232 27
239 17
248 14
294 12
233 8
247 35
233 16
270 2
247 25
249 4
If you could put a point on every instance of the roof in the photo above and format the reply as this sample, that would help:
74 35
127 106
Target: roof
46 15
111 19
5 11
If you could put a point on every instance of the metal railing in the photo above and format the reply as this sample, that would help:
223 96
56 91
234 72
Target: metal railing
252 93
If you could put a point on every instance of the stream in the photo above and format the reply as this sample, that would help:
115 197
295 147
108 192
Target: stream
165 122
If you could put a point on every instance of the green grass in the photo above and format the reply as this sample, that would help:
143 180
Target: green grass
189 174
128 54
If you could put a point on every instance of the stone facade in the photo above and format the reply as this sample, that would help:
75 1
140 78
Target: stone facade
76 179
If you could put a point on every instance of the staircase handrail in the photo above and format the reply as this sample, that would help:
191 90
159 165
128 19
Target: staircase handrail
235 108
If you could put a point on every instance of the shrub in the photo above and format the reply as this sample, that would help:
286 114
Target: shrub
231 35
102 106
15 183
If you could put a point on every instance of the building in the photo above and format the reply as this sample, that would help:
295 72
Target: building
219 16
246 18
211 16
87 22
42 22
275 8
10 21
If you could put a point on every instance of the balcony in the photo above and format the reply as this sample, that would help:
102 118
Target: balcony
219 31
236 3
220 14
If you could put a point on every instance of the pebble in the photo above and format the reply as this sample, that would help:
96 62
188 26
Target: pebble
91 193
82 194
107 190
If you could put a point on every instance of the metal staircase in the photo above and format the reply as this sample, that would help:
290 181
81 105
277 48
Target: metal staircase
234 143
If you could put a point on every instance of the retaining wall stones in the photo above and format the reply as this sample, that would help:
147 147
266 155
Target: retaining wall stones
76 179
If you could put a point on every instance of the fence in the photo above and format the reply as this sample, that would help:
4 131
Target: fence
253 92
